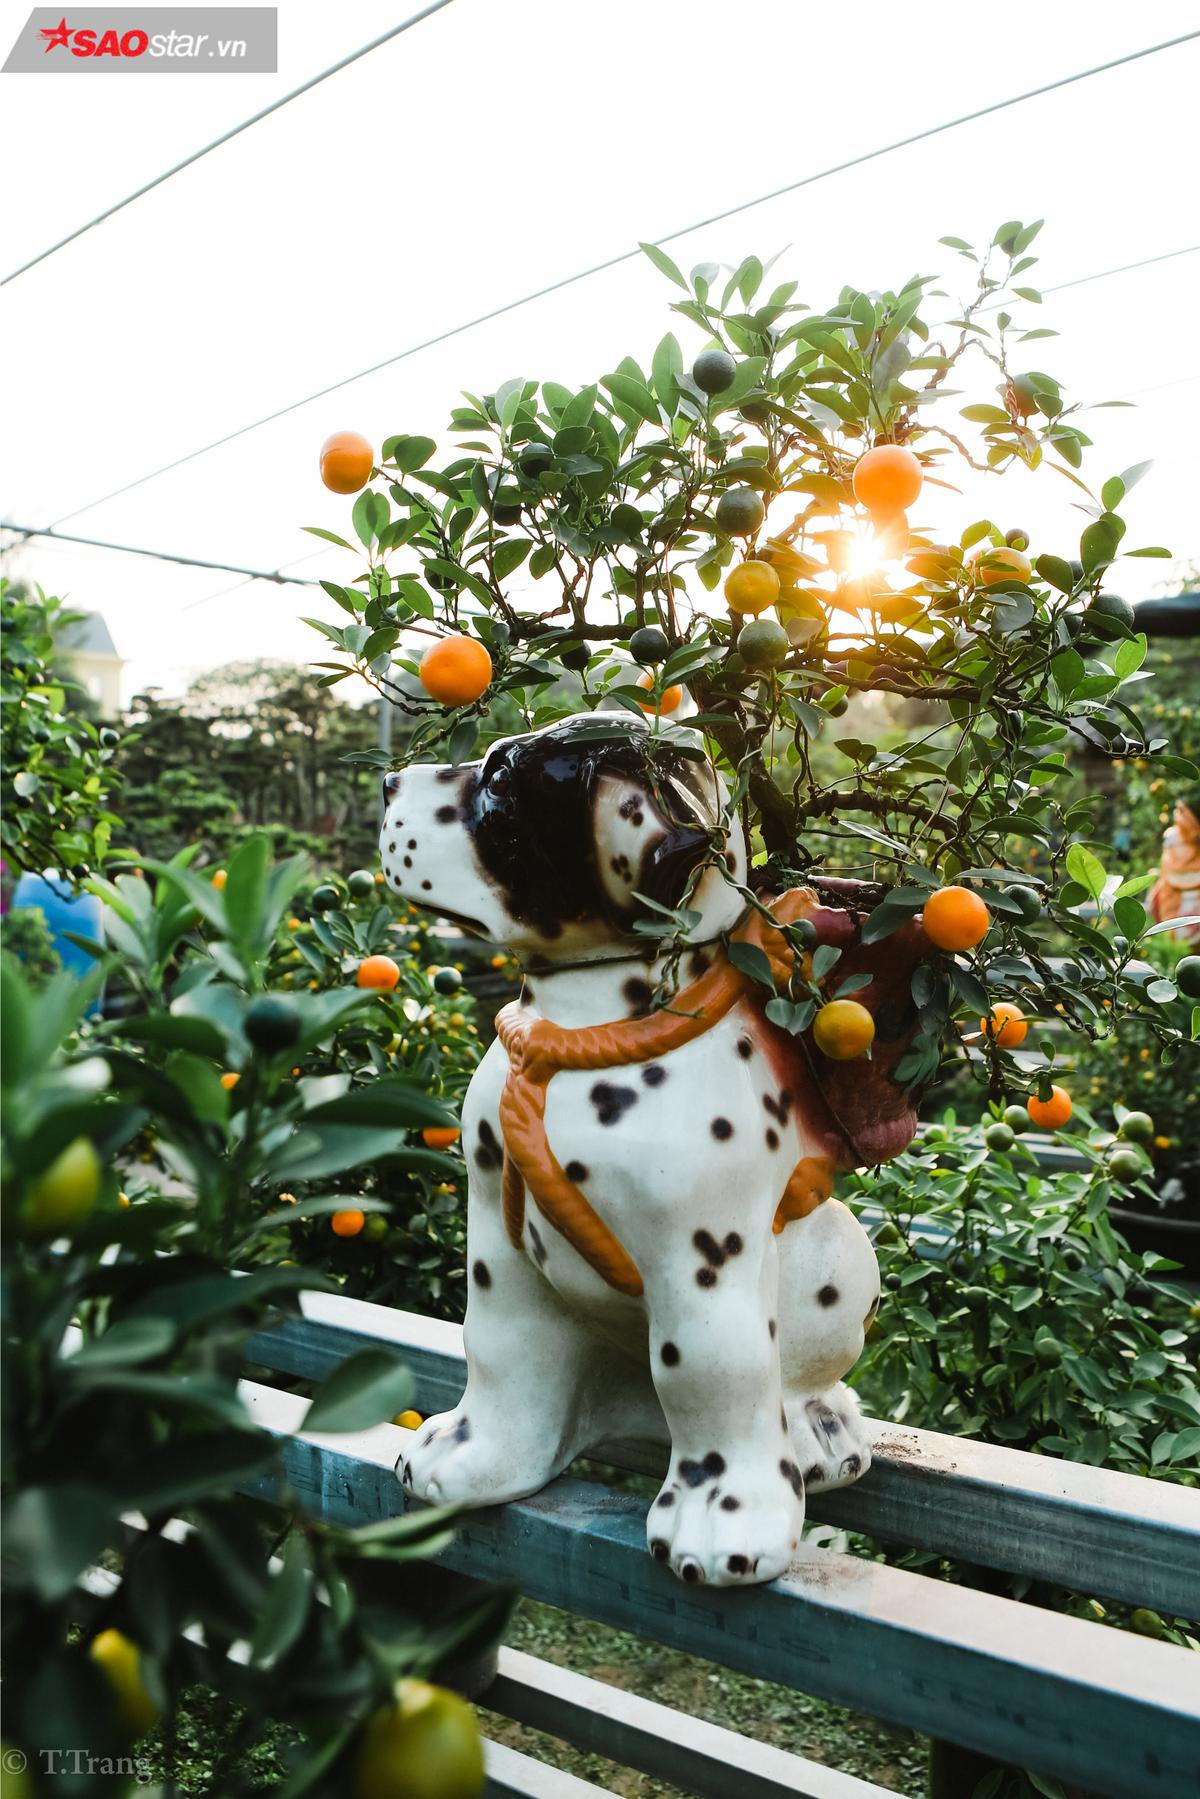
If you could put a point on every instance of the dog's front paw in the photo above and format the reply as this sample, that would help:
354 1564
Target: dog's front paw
830 1438
451 1462
728 1525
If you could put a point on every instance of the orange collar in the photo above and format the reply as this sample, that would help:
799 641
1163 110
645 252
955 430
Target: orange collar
538 1049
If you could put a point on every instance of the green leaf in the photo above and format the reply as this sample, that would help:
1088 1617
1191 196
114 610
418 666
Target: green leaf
1068 669
128 1341
635 396
411 453
285 1612
1130 916
52 1533
329 536
362 518
1135 884
1130 656
178 1473
665 367
1087 869
366 1389
1057 572
390 1100
663 264
1099 542
748 959
893 911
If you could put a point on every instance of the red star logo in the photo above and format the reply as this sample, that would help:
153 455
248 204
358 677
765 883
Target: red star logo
58 36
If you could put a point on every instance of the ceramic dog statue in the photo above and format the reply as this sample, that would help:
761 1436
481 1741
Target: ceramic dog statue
653 1255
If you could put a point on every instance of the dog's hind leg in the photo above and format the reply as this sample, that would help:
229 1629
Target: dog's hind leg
828 1294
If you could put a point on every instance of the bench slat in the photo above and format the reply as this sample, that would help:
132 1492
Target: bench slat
1119 1714
1113 1535
511 1775
703 1758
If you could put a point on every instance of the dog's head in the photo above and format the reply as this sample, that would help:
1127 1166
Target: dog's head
547 842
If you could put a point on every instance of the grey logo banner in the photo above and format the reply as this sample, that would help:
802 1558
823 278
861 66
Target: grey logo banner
131 40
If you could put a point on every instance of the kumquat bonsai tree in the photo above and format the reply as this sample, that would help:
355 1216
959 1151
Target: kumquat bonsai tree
735 537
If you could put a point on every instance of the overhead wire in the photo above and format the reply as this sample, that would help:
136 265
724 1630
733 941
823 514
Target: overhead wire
128 549
225 137
624 256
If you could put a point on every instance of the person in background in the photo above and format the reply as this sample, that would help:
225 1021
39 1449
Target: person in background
1176 893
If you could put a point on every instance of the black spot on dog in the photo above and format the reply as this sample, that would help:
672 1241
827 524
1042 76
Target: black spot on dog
670 1354
721 1129
690 1572
823 1418
658 1549
813 1474
482 1274
391 849
730 1504
665 1499
733 1244
408 861
772 1137
489 1154
463 1432
793 1477
694 1473
745 1048
698 963
827 1296
538 1247
446 815
610 1101
772 1327
714 1463
737 1564
638 994
774 1108
706 1277
412 843
576 1171
709 1248
426 886
783 1420
851 1465
653 1075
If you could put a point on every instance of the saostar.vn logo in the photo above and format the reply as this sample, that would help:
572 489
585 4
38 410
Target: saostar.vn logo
143 38
87 42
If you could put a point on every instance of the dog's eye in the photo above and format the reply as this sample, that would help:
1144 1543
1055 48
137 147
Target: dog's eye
500 782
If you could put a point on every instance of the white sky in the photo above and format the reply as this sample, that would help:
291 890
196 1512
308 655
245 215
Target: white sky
501 145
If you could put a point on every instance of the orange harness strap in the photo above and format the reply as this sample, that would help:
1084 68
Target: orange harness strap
538 1049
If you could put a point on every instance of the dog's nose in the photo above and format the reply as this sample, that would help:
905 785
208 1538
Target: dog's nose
391 786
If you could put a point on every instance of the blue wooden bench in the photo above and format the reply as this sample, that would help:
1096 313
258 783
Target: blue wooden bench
1113 1712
